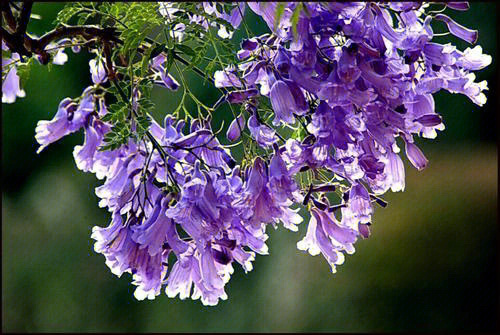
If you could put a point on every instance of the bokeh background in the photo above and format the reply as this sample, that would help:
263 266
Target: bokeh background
430 264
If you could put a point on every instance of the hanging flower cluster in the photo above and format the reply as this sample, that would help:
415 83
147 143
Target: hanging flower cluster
324 97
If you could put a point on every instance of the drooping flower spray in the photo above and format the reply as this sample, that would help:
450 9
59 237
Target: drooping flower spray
317 104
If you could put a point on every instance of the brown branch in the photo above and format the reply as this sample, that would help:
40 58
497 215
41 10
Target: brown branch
109 63
87 32
15 43
16 38
8 16
26 45
24 18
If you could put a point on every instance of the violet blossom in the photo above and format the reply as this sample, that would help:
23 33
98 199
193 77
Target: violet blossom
340 82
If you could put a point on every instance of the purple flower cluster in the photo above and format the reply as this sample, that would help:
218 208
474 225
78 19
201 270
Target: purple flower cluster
187 199
169 10
347 78
358 78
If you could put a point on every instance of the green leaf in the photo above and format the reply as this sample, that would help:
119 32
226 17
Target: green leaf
280 9
67 13
107 117
295 18
6 53
145 61
24 69
210 68
185 49
170 59
157 50
84 18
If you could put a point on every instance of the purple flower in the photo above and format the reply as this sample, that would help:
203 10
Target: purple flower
97 71
358 208
234 18
281 182
166 79
258 203
76 49
199 272
158 229
10 86
60 58
396 172
283 103
84 154
458 5
226 78
235 128
247 46
207 146
124 255
473 59
268 12
121 183
415 156
237 97
198 210
466 34
327 236
69 118
180 281
264 135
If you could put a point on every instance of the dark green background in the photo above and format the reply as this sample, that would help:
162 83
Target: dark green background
430 264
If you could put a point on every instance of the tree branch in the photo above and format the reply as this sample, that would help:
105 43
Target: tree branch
8 16
15 43
14 34
24 18
88 32
24 44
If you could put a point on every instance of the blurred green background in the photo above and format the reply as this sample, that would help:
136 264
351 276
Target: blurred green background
430 264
